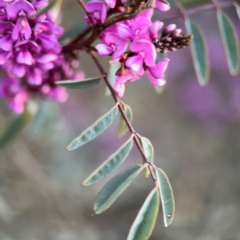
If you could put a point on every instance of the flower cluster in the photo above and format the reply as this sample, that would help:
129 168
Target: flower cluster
141 33
29 49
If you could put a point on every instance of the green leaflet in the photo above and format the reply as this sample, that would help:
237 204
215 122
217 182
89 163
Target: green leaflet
148 149
73 32
237 8
167 197
122 126
199 52
50 5
75 84
149 152
110 164
16 126
188 3
93 131
146 219
112 75
230 42
114 188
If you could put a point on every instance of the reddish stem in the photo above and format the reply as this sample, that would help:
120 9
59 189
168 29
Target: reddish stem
121 110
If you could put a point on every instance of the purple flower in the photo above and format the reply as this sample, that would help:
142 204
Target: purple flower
12 90
111 3
29 54
156 73
146 54
98 10
162 6
112 45
120 81
154 29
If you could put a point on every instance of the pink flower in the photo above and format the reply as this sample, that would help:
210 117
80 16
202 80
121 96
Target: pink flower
111 3
156 73
146 54
98 10
112 45
154 29
162 6
120 81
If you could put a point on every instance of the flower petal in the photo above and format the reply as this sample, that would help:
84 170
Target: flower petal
159 69
156 81
103 49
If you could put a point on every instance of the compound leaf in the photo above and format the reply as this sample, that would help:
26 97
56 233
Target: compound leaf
110 164
114 188
146 219
93 131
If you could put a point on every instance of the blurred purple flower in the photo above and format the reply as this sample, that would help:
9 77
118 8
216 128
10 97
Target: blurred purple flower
98 10
29 50
112 45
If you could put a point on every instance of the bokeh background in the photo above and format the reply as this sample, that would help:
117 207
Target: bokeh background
195 132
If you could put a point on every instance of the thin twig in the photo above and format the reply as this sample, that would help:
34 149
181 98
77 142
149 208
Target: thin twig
89 15
121 110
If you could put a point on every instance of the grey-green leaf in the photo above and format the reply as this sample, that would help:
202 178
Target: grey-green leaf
230 42
167 197
93 131
114 188
75 84
112 75
237 8
148 149
199 52
73 32
110 164
48 7
146 219
15 127
122 126
149 152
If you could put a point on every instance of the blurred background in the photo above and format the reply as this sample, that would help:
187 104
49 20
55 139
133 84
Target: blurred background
195 132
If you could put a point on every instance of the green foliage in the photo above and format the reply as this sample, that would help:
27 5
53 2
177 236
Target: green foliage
114 188
230 42
146 219
73 32
16 125
48 7
122 126
237 8
149 152
112 74
93 131
75 84
110 164
199 52
167 197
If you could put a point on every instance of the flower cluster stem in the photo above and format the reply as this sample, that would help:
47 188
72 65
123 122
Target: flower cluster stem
129 125
89 15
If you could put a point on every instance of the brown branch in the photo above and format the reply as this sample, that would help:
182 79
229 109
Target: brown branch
121 110
190 11
83 5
